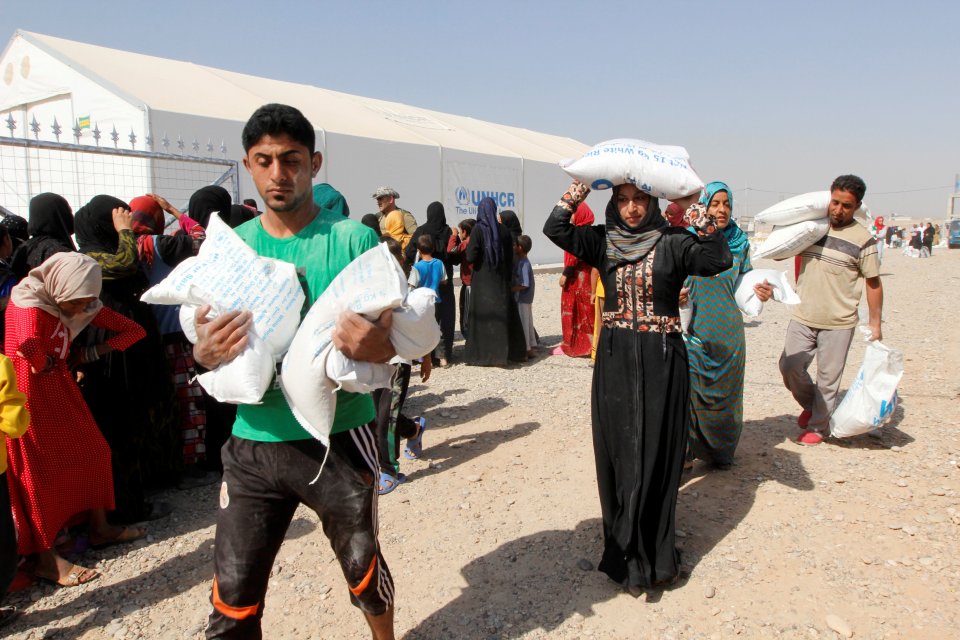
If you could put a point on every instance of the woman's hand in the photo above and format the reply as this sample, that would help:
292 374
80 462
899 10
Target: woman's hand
426 367
684 296
122 219
563 281
575 194
763 291
166 206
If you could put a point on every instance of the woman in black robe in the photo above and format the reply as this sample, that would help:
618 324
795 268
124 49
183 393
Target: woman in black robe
446 309
512 223
640 396
496 335
50 228
130 393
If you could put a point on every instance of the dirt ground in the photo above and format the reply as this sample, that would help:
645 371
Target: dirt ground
497 532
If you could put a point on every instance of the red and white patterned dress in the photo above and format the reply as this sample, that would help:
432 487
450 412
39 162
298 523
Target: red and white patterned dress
61 466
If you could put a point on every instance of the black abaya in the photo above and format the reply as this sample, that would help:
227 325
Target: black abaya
640 394
496 335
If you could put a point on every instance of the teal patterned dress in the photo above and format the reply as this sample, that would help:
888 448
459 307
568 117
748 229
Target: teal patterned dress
716 349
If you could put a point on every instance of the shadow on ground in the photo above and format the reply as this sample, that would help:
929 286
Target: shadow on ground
529 583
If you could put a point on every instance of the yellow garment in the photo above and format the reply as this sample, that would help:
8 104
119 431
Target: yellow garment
14 418
597 313
394 227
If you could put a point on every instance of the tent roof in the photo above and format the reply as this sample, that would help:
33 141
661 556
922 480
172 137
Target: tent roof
183 87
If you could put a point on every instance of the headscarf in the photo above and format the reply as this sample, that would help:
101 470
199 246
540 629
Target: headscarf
63 277
490 230
51 216
393 226
207 200
326 197
17 227
626 245
437 229
371 221
94 225
583 216
147 222
674 215
736 238
237 215
512 223
50 228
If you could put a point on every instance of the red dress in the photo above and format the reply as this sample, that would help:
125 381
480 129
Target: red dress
61 466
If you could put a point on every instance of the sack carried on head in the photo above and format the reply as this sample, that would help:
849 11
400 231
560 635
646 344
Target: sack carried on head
660 170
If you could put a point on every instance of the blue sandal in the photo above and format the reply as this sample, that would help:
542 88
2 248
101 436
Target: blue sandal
388 482
414 448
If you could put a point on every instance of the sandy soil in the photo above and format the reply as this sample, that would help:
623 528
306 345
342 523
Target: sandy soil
497 533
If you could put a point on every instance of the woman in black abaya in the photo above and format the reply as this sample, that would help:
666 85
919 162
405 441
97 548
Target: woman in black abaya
640 395
446 309
496 335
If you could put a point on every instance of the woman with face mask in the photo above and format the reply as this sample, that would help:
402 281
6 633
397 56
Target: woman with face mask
640 394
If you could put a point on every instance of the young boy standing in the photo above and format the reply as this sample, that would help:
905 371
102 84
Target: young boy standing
427 271
523 289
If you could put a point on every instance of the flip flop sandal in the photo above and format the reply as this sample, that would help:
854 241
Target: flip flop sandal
78 575
127 534
414 448
388 482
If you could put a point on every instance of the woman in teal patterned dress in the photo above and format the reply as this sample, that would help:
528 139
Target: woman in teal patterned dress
716 346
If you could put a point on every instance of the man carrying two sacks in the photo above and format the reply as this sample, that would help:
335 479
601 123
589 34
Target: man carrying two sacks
832 273
270 462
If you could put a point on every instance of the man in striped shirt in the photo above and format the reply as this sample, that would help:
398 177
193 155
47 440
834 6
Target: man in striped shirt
832 274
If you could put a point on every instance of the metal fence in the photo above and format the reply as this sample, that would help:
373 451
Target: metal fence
79 172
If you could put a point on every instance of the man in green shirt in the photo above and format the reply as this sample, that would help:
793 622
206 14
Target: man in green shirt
270 461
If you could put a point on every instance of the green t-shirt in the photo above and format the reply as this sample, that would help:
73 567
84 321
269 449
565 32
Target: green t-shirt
320 251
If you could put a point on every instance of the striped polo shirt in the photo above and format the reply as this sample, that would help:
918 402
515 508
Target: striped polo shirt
831 277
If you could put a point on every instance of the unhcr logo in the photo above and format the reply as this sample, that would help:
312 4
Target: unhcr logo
463 196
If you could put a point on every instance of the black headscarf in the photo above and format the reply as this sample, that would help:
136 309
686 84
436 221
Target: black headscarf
94 225
238 214
207 200
50 228
436 227
371 221
626 245
511 222
490 230
51 216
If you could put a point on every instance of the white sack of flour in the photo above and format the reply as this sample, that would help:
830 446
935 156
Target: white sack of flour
662 171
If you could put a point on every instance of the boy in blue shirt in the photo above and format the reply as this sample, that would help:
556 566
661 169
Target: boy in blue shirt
523 289
427 271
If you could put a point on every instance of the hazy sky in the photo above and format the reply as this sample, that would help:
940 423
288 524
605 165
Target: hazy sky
773 97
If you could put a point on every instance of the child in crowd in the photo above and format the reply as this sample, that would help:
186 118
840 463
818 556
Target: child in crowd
14 421
391 424
428 271
523 289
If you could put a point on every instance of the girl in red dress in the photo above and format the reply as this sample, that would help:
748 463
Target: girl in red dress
60 468
576 300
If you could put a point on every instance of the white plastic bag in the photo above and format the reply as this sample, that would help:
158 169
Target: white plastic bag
747 299
786 242
872 398
662 171
229 275
312 369
806 206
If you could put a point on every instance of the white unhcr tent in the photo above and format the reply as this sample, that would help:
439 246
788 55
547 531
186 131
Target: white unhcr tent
425 155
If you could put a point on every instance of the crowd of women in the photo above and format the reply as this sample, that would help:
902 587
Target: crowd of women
114 412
